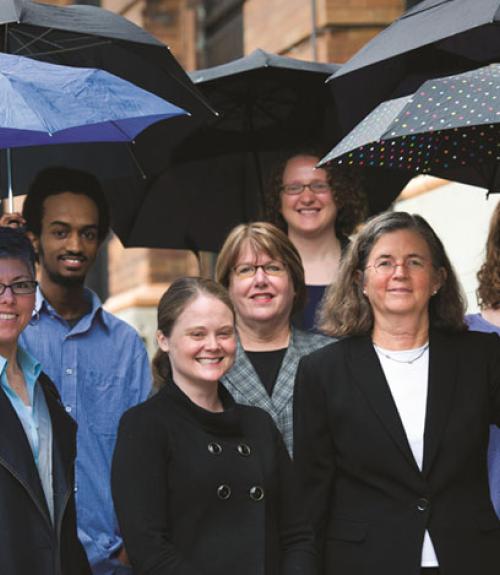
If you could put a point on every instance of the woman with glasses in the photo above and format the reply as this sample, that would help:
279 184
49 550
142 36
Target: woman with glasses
391 422
318 208
37 437
263 273
202 485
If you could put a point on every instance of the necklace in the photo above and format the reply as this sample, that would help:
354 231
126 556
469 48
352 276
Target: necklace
420 353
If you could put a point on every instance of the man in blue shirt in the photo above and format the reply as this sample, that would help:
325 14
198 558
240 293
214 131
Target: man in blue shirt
98 362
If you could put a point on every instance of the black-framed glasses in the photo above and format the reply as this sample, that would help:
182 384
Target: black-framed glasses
316 187
273 268
25 287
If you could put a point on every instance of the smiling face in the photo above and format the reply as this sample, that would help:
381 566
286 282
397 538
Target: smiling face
202 343
307 214
263 297
15 310
68 243
403 290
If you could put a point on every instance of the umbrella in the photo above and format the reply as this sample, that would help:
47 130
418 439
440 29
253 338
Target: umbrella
433 39
45 104
90 37
449 128
268 104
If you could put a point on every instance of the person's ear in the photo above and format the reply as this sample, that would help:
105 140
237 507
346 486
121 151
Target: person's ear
359 279
162 341
440 279
35 240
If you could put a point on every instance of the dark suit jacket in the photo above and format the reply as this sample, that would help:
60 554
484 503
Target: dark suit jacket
29 542
369 502
190 502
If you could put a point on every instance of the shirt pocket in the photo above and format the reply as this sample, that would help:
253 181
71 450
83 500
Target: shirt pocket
105 397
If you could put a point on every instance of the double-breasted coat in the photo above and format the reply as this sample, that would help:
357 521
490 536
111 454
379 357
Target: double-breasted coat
202 493
369 502
30 543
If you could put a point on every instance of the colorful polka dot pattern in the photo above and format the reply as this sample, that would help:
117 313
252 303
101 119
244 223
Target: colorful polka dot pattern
448 123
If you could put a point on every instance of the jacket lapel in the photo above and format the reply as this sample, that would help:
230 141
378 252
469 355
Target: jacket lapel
443 361
16 455
63 450
369 376
283 389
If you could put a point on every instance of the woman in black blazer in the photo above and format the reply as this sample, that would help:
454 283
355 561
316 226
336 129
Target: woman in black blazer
203 486
391 423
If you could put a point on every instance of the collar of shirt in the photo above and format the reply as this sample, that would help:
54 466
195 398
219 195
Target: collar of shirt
42 306
31 370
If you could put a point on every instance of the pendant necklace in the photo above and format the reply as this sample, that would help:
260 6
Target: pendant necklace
420 353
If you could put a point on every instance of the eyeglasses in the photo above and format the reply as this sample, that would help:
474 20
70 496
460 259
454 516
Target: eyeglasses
20 288
243 271
315 187
386 267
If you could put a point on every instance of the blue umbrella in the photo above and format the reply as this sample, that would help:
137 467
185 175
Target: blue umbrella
46 104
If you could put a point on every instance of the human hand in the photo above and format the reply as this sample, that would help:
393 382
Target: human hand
12 220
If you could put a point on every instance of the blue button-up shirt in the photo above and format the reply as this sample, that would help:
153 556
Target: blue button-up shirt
34 418
101 369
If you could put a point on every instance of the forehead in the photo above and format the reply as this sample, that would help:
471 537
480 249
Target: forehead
252 252
205 308
400 243
302 166
70 208
14 267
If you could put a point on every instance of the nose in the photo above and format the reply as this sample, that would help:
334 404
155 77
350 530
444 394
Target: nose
74 243
260 276
8 295
400 270
307 196
211 342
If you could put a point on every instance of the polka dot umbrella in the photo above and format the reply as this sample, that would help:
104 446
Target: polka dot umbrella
450 127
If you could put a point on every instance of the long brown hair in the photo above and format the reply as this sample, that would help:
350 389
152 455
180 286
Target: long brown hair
172 303
488 292
346 311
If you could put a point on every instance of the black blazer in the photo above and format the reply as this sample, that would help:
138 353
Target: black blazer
201 493
369 502
29 542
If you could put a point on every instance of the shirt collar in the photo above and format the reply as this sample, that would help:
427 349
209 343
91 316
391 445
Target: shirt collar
42 305
26 361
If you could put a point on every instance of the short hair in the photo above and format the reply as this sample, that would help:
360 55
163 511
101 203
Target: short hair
348 195
172 303
345 310
488 292
15 245
262 237
57 180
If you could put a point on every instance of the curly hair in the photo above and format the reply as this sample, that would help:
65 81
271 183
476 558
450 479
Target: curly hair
488 292
345 310
351 201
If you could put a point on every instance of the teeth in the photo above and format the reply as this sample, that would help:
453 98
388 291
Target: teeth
209 360
7 315
72 261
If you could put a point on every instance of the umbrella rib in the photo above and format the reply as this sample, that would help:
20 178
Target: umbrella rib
60 49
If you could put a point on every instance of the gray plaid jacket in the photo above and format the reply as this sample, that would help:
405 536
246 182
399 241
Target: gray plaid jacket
244 384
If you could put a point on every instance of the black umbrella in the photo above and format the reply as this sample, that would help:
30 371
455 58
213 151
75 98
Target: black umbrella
449 128
87 36
433 39
268 104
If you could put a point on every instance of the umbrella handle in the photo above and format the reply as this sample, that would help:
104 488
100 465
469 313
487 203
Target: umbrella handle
10 197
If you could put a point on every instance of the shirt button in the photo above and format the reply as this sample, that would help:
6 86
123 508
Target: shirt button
244 449
215 448
256 493
68 408
69 371
223 492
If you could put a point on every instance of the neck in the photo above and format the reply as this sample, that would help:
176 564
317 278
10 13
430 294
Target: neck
69 301
403 334
262 336
491 315
9 352
320 255
204 395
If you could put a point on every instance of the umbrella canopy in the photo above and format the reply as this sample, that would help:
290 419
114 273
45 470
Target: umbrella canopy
90 37
449 128
46 104
435 38
268 104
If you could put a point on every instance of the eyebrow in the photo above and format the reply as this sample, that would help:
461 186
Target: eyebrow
67 225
